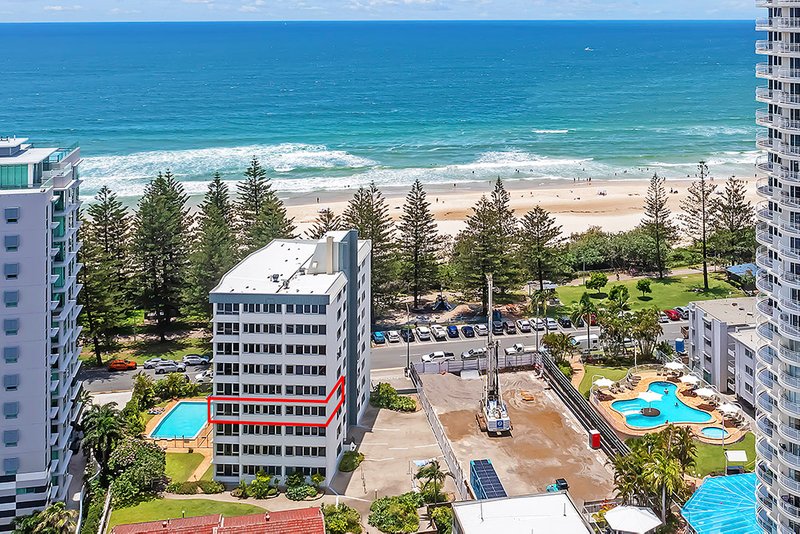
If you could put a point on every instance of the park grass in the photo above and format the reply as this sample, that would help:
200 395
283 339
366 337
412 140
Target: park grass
160 509
612 373
711 458
666 294
144 348
181 465
209 474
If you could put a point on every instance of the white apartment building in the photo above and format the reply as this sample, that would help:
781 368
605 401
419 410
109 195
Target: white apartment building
778 261
291 357
722 346
38 331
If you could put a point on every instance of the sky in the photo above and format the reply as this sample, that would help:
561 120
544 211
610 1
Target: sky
208 10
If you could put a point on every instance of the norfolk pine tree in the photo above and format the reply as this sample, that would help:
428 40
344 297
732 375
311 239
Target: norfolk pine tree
419 263
161 249
326 221
271 223
698 214
539 246
656 222
734 219
252 193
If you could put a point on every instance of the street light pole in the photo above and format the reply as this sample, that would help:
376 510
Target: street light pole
408 340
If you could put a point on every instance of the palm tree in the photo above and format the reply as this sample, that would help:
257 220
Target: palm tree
55 519
432 474
627 477
682 446
584 309
664 476
103 430
559 344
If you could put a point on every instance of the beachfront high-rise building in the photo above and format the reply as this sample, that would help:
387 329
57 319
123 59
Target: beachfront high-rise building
291 357
38 324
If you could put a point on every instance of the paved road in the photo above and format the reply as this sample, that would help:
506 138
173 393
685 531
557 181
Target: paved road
387 356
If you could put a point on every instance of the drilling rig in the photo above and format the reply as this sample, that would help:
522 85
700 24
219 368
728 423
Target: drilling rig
493 410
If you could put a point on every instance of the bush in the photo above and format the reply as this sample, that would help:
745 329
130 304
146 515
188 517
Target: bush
240 491
260 487
442 517
350 461
95 500
210 487
299 493
396 514
429 496
341 519
385 396
565 368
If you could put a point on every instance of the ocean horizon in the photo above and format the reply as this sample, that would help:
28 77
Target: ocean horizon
330 105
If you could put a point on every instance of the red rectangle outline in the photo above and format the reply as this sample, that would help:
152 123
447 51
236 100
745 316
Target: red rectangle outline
339 384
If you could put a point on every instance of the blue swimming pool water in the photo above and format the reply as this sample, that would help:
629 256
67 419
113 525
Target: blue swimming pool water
184 420
672 409
715 432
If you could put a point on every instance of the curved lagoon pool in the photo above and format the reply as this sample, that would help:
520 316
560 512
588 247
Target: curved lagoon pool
715 432
184 421
672 409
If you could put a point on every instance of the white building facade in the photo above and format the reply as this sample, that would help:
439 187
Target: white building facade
291 357
38 324
778 279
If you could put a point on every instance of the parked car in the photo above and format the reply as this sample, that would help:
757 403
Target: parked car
674 315
497 328
593 322
683 311
423 333
481 330
452 331
551 324
204 377
467 331
473 354
407 334
663 317
195 359
565 321
523 325
170 367
438 356
537 323
509 326
378 338
152 362
438 332
393 336
121 365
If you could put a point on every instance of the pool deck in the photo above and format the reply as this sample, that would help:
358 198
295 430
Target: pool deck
201 443
603 400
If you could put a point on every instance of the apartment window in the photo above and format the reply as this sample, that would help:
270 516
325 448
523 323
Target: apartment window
306 329
227 389
11 243
227 470
228 328
252 308
11 215
10 354
10 410
11 382
228 449
10 466
748 388
11 298
11 326
11 271
226 430
748 370
273 308
10 438
229 349
227 308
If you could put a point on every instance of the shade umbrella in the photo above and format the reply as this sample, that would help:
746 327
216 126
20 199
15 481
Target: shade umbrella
603 382
650 396
634 519
728 408
706 393
674 366
690 379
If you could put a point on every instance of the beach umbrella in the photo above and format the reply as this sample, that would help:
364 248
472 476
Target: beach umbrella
706 393
633 519
650 396
728 408
690 379
603 383
674 366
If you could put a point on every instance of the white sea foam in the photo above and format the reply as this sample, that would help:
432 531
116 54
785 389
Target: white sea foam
554 132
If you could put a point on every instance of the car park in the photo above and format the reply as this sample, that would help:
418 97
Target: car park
438 332
204 377
673 315
452 331
537 324
481 330
565 321
497 328
438 356
523 325
195 359
663 317
551 324
378 338
407 334
170 367
423 333
393 336
152 362
683 311
121 365
473 354
509 326
467 331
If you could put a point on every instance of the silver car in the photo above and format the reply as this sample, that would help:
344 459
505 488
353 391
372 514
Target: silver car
154 362
170 367
194 359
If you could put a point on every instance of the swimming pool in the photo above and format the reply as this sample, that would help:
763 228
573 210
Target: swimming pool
715 432
185 420
672 409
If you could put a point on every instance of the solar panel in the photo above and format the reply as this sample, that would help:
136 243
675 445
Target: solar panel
484 480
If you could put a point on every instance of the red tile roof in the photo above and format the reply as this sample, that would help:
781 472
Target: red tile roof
298 521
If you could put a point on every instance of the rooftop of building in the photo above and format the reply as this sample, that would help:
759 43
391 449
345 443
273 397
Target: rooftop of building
298 521
283 267
28 156
748 337
733 311
544 512
724 504
10 142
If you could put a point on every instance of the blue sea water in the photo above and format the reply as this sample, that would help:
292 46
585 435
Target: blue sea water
325 105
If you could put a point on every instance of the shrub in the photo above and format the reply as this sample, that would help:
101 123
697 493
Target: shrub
341 519
95 500
260 486
240 491
396 514
295 479
442 517
565 368
299 493
350 461
210 486
317 479
429 496
385 396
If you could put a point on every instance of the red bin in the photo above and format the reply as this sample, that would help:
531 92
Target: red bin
594 439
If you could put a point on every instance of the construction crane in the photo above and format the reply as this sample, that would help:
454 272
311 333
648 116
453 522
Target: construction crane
493 410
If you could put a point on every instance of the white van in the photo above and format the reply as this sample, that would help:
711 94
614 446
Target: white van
590 342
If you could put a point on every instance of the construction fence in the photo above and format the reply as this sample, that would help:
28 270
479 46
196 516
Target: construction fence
507 362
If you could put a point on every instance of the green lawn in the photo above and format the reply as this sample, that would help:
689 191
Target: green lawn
711 458
181 465
209 474
160 509
146 348
612 373
667 293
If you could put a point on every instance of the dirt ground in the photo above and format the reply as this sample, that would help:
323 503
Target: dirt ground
546 443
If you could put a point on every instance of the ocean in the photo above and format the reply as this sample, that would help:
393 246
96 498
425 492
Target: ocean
328 105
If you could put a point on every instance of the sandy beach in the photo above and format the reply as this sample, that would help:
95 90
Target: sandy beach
614 205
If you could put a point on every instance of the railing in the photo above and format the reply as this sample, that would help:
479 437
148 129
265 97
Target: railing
441 438
504 361
763 283
776 96
787 482
765 379
789 508
791 459
764 70
785 379
764 449
777 23
776 3
789 355
790 331
777 47
790 406
789 200
763 188
764 425
764 211
764 237
764 404
788 432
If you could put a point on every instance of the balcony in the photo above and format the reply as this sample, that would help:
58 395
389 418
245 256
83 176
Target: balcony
788 355
776 47
776 73
789 433
789 405
790 458
777 97
764 449
763 237
777 23
763 284
788 200
766 354
763 188
764 425
789 483
765 330
765 379
777 3
790 509
789 304
764 305
764 212
789 330
788 278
